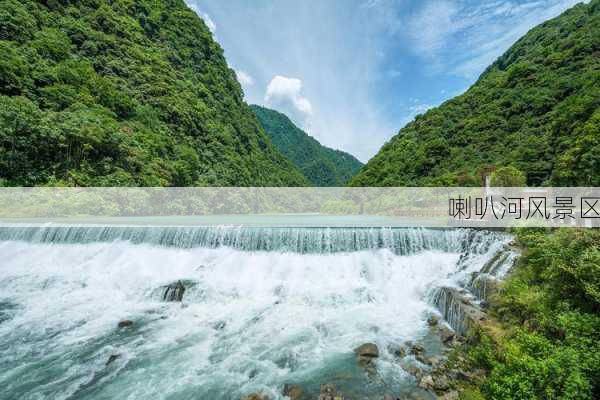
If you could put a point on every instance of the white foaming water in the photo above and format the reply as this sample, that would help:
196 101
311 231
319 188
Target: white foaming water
251 321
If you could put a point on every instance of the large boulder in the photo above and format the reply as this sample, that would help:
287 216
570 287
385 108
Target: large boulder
293 392
366 354
369 350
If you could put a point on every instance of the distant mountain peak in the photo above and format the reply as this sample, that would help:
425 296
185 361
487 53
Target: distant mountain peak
321 165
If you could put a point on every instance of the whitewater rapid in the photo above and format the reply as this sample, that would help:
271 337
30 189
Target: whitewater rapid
252 319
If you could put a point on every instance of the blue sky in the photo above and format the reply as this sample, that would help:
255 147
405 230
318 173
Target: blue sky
353 72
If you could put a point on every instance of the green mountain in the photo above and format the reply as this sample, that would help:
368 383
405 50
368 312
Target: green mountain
321 165
123 92
537 108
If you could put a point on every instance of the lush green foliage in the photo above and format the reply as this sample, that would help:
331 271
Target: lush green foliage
321 165
508 177
550 307
124 92
536 108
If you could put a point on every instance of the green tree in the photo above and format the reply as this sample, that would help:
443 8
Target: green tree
124 93
508 177
536 108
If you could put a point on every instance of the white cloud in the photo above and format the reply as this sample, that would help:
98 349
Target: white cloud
432 26
463 38
286 92
244 78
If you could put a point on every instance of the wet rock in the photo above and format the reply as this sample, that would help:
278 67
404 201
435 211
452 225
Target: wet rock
446 334
112 358
433 320
413 370
440 383
174 292
416 349
422 359
294 392
435 360
366 354
369 350
452 395
329 392
397 351
256 396
426 382
125 323
431 361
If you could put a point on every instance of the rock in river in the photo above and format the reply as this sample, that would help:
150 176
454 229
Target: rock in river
125 323
294 392
366 353
369 350
255 396
174 292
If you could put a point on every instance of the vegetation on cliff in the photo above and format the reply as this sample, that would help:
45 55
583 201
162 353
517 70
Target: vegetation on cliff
547 345
321 165
119 93
536 108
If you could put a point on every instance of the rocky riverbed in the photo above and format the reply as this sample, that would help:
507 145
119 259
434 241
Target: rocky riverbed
438 364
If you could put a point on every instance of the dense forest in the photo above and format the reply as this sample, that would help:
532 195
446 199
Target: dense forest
321 165
537 109
120 93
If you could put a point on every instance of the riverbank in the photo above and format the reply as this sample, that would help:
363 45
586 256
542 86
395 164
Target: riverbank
539 338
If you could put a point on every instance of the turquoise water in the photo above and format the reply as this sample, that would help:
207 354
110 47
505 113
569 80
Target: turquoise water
264 307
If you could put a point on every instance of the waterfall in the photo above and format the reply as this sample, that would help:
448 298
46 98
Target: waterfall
262 307
476 279
401 241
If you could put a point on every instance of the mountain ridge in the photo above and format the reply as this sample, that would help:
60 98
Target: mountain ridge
536 108
124 93
321 165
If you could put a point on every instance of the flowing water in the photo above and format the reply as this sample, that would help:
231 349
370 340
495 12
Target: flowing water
263 307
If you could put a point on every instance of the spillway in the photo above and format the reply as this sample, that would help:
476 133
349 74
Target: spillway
262 307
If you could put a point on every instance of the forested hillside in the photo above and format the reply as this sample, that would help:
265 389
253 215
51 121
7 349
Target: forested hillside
123 92
537 108
320 164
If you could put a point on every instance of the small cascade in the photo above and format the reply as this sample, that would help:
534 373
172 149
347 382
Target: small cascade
174 292
479 273
458 309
